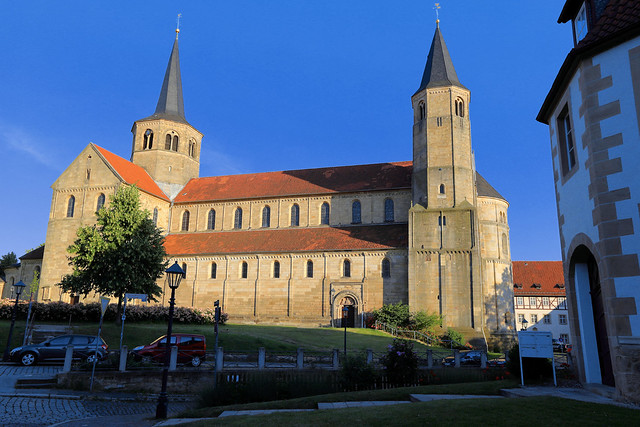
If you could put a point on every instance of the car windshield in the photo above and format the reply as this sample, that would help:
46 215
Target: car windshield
163 340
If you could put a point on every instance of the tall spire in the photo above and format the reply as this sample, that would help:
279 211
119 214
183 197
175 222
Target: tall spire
439 70
170 104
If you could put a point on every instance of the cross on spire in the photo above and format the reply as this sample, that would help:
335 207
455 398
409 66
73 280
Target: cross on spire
178 25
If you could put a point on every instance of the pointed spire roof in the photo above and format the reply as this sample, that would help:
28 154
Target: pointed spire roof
170 104
439 70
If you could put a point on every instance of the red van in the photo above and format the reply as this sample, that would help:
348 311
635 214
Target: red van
191 349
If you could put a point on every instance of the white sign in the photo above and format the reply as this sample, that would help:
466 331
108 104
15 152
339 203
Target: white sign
104 302
141 297
535 344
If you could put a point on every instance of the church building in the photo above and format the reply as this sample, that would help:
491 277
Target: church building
297 246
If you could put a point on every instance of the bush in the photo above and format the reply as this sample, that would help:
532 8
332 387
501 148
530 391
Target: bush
454 335
400 362
399 316
63 312
357 374
536 369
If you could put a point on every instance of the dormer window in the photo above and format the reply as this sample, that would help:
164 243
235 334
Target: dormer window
517 285
536 286
580 26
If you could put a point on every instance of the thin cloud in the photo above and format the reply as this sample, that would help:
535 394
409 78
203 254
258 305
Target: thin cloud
17 139
216 163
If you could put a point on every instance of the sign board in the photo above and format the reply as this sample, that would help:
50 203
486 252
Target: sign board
141 297
104 303
535 344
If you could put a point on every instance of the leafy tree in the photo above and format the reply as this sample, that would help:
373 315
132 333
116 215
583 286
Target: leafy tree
393 314
7 261
35 283
123 252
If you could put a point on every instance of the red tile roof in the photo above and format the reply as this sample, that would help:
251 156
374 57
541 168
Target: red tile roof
548 274
288 240
132 173
381 176
619 15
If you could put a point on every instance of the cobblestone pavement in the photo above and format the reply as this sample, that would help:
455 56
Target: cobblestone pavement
17 370
27 411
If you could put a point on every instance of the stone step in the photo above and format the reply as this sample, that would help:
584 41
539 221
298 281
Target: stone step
23 383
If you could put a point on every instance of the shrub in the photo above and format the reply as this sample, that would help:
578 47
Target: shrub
90 312
393 315
422 321
400 362
357 374
454 336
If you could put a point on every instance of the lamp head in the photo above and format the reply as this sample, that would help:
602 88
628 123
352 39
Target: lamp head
174 275
18 287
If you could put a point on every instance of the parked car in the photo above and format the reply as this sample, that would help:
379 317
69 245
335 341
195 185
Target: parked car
467 358
559 346
191 349
54 350
496 363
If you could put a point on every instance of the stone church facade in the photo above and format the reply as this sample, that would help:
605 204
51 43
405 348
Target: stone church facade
297 246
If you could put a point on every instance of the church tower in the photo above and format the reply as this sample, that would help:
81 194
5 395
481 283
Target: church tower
165 144
444 259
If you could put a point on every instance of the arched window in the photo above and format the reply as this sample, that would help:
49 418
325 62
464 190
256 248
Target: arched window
442 220
346 268
100 203
441 189
356 214
175 143
324 213
295 215
184 268
155 216
245 270
237 220
148 140
214 270
71 205
386 268
309 268
266 217
192 148
422 110
276 270
211 220
167 143
36 272
459 107
388 211
185 220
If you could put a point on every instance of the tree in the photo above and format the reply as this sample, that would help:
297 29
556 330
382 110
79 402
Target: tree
123 252
7 261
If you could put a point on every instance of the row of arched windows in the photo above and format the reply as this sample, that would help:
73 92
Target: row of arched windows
171 142
325 212
458 107
502 217
71 204
275 272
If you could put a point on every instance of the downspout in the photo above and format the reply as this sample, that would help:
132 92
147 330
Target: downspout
255 288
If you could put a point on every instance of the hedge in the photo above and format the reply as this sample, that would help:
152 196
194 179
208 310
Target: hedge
63 312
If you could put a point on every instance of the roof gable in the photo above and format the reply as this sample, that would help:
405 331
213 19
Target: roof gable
131 173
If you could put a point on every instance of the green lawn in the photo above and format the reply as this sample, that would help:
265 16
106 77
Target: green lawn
532 411
243 338
401 393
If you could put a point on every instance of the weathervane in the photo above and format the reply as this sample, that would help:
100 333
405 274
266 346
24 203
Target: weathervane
436 7
178 25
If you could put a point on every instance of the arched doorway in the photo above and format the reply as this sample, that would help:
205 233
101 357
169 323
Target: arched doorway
590 310
352 310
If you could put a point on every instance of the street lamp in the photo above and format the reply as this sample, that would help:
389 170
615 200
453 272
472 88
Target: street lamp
345 314
524 324
174 276
18 287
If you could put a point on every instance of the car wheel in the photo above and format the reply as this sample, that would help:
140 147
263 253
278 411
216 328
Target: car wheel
28 359
92 358
196 361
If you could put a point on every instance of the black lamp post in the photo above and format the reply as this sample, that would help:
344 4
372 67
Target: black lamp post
174 276
345 314
18 287
524 324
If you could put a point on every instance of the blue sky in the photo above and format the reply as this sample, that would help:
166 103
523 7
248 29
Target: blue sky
276 85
